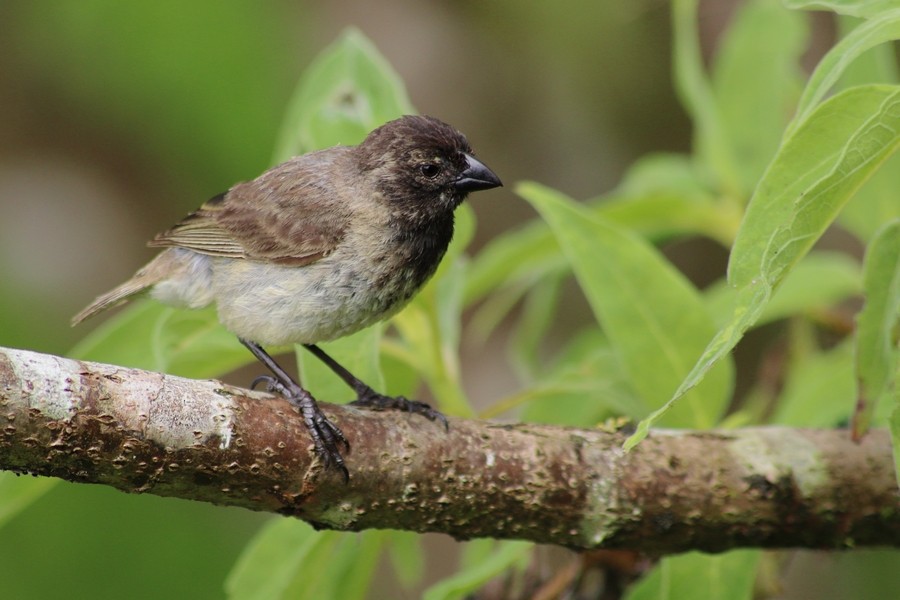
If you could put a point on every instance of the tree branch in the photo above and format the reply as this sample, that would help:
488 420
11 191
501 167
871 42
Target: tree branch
140 432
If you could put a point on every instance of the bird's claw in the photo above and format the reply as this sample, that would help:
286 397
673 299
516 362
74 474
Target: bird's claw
374 400
272 385
326 436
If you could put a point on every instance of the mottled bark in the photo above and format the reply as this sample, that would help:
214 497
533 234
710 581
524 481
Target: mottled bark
679 490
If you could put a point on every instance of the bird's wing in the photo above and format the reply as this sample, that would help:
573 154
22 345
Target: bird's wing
199 231
290 215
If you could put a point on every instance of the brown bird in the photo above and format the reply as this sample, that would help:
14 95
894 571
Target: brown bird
318 248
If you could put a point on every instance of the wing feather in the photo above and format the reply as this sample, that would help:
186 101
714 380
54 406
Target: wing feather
291 214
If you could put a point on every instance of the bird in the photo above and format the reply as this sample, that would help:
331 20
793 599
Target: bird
317 248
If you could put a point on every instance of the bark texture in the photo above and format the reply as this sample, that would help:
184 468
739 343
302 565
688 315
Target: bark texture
144 432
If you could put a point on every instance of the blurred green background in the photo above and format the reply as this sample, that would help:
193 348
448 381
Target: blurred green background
116 119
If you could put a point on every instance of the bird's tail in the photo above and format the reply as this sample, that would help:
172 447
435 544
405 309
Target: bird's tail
154 272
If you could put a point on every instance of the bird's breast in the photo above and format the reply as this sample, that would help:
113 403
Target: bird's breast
363 281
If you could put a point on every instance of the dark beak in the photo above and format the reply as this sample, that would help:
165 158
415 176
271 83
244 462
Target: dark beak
476 177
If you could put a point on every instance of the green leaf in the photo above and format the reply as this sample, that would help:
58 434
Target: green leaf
755 82
474 552
471 578
876 66
526 255
853 8
660 198
662 173
504 271
358 353
349 570
446 295
877 353
697 576
18 492
815 172
288 559
497 306
538 317
818 389
407 556
429 328
885 28
748 307
654 317
819 281
876 202
586 368
662 216
148 335
124 339
695 92
349 90
270 562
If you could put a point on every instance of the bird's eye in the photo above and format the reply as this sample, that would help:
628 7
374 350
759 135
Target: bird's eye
429 170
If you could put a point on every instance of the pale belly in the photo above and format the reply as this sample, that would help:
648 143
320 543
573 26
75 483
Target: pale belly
279 305
319 302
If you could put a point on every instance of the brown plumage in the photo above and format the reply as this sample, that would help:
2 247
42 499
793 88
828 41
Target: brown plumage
319 247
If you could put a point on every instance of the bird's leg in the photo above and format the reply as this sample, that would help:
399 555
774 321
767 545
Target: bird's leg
325 435
366 396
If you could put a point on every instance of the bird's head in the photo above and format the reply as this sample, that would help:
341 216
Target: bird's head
423 163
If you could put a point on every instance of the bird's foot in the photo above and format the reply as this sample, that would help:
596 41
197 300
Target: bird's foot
326 436
371 399
272 385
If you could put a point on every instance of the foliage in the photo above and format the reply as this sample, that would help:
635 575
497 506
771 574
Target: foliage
786 181
777 162
818 162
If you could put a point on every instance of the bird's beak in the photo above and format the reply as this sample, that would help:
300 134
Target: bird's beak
476 177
